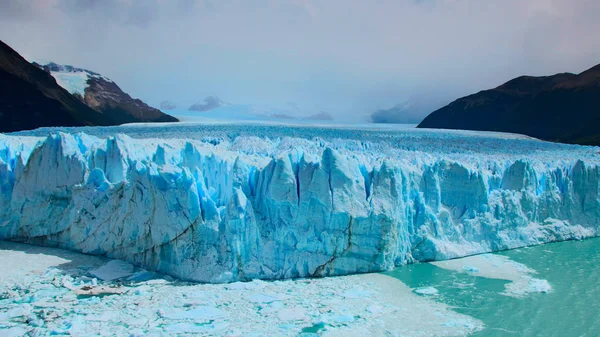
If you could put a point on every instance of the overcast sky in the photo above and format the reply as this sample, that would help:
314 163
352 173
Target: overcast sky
347 57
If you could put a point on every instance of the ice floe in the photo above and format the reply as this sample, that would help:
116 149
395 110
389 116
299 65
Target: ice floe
41 298
113 270
427 291
502 268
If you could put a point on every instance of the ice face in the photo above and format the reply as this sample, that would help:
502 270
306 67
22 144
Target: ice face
223 209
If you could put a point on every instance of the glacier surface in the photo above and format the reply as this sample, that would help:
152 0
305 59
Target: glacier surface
224 203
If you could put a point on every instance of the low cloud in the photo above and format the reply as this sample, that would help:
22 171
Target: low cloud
349 57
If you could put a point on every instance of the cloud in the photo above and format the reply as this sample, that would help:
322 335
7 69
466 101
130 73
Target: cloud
346 56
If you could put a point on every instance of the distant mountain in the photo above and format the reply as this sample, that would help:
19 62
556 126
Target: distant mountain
321 116
31 98
563 107
103 95
209 103
405 113
168 105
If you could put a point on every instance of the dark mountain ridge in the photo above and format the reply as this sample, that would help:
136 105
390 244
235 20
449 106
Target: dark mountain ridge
564 108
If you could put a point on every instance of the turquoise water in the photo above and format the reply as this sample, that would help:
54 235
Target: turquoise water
572 308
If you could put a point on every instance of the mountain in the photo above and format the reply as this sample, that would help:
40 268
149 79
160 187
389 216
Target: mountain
103 95
209 103
405 113
563 108
168 105
321 116
31 98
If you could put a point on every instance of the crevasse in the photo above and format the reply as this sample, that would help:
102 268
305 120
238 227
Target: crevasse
215 211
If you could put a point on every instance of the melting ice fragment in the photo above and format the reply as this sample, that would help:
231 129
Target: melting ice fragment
200 313
427 291
113 270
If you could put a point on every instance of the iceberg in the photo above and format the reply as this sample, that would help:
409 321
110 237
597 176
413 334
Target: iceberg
216 204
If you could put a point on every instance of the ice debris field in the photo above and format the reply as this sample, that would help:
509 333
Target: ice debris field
223 203
54 292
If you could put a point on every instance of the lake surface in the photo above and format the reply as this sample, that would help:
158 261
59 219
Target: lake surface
570 308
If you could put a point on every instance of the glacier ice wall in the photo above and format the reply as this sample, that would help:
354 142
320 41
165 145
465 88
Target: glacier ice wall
218 210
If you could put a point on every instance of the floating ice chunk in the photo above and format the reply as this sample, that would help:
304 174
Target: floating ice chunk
266 298
179 328
356 293
48 294
103 317
201 313
113 270
272 307
143 276
254 285
540 286
21 311
338 319
525 285
459 323
288 326
16 331
292 314
427 291
374 309
99 290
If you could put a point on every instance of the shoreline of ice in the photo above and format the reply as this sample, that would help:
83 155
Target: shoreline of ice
37 297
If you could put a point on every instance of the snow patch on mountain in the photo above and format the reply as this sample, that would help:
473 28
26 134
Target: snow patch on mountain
72 79
73 82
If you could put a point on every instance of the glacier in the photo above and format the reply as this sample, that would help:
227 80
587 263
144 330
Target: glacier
224 203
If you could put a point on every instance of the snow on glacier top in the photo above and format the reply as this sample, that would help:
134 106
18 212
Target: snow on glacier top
371 143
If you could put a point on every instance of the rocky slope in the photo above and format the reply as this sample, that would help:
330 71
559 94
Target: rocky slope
104 95
31 98
563 107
